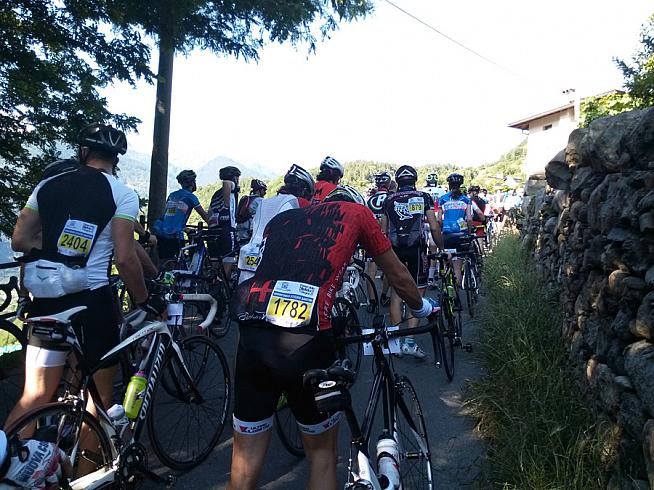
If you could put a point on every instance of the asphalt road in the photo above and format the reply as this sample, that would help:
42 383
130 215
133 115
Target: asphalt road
457 451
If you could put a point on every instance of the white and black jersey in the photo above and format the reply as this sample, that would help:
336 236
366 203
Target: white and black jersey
75 210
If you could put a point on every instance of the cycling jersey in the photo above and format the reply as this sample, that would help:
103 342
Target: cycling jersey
33 464
435 192
376 203
218 218
454 213
305 254
251 252
405 211
323 189
244 230
179 206
76 209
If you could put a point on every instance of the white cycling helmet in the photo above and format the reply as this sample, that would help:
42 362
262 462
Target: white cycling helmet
3 446
333 164
300 181
345 193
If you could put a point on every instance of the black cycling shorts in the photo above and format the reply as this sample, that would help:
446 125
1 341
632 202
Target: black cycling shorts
96 327
270 361
168 248
458 241
415 259
221 242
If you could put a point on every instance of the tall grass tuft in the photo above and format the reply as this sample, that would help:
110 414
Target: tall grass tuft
541 434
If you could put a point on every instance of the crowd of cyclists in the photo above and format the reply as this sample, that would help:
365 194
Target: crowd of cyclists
291 251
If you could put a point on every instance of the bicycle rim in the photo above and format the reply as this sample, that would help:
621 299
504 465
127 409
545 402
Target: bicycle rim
444 343
182 431
288 430
411 436
61 424
12 370
343 309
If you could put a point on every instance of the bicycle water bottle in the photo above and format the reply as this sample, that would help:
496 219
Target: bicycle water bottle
387 466
134 394
121 423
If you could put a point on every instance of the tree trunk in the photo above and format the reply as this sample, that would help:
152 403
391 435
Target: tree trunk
161 135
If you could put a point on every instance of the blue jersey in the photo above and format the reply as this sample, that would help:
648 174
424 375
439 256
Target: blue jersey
454 213
178 208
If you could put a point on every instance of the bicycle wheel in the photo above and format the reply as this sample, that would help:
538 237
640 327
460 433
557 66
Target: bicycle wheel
287 428
443 347
223 321
184 430
367 299
410 433
61 424
12 367
469 285
346 324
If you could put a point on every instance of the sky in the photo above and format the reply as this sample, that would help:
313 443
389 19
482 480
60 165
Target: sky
388 88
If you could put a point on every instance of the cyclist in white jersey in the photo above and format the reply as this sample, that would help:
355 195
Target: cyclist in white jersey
436 192
298 189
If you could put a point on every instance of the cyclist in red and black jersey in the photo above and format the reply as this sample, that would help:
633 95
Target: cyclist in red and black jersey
403 221
284 314
331 173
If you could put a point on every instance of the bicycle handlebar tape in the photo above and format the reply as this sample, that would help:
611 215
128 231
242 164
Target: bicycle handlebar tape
428 306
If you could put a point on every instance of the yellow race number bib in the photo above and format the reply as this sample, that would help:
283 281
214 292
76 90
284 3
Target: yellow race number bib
291 304
76 238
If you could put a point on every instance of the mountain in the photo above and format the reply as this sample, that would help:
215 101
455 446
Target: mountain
208 173
134 170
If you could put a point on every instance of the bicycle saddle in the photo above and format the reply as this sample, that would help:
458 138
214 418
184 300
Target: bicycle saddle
340 371
63 317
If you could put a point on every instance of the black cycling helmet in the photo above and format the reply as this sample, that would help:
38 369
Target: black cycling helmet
474 188
382 179
455 180
258 185
299 182
229 173
104 138
186 177
345 193
432 179
406 175
59 167
330 163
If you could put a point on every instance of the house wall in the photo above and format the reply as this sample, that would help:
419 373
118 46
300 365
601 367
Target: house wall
543 144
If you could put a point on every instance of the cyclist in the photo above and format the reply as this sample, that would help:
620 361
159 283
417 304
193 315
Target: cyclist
247 208
331 172
222 220
298 188
69 229
32 464
376 205
455 216
179 205
284 313
403 217
432 188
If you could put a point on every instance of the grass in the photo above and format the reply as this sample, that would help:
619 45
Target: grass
540 433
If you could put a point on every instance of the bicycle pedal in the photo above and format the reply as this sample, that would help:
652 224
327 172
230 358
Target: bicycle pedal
170 481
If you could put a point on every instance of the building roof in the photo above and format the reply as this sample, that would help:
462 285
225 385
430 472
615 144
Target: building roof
524 123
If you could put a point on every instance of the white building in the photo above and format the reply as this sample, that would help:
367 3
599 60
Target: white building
547 134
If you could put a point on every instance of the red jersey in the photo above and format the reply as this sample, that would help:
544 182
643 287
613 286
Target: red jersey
305 254
323 188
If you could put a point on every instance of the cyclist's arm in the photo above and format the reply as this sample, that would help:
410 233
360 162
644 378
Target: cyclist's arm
400 278
383 222
126 258
434 228
27 233
469 216
227 191
150 270
203 214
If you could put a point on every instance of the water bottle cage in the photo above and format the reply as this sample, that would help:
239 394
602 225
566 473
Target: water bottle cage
332 397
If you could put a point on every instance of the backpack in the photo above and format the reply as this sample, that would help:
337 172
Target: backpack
243 210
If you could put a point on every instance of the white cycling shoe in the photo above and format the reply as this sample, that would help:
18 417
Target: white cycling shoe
410 348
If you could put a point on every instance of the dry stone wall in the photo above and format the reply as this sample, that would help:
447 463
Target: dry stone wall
592 235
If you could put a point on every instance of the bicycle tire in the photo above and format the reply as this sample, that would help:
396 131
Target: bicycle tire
171 449
60 433
369 307
288 430
12 366
223 321
469 288
343 309
444 345
410 433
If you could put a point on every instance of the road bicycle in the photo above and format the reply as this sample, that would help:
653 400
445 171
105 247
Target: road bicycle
360 290
403 456
183 409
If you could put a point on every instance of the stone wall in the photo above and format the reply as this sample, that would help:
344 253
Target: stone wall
592 235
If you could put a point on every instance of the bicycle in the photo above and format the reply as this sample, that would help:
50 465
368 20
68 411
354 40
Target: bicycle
360 290
403 456
175 373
